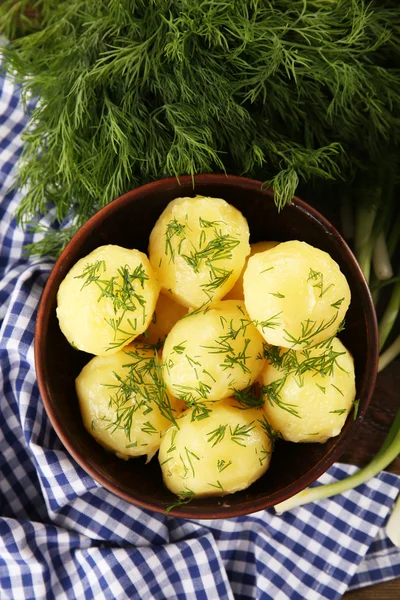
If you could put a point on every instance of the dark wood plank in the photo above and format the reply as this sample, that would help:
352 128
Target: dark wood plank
390 590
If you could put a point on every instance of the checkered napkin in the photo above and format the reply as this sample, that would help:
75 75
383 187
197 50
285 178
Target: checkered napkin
64 536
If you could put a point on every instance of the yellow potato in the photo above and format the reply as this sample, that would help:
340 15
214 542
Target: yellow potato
107 299
126 409
296 294
217 455
308 394
197 249
209 353
167 313
236 292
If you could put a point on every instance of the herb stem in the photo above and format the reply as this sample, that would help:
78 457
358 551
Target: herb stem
389 355
363 237
388 452
380 258
389 316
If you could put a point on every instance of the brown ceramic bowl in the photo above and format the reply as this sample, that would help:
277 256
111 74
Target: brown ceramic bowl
127 222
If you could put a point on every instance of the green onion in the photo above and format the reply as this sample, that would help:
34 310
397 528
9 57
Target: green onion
389 355
387 453
390 316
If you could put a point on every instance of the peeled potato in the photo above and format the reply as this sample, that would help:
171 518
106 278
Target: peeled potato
107 299
236 293
296 294
217 455
308 394
197 249
120 406
208 354
166 314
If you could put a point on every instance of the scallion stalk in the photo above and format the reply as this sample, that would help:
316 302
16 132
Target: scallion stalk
389 355
363 242
380 258
390 316
387 453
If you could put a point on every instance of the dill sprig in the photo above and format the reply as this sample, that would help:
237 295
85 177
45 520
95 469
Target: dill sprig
129 92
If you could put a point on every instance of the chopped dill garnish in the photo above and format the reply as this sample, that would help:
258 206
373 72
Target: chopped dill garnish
172 447
318 277
272 393
216 435
337 304
141 388
222 464
272 433
240 433
270 323
174 229
131 445
309 330
149 428
218 485
296 363
249 397
337 389
122 290
179 348
339 411
184 497
189 457
264 455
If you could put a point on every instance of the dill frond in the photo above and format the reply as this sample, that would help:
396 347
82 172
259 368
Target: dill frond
131 91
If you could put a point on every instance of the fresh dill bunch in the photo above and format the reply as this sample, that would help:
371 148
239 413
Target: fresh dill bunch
134 90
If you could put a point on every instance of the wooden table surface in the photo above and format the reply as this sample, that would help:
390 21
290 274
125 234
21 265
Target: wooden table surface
383 407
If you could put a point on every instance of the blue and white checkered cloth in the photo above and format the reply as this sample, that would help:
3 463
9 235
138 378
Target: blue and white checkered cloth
64 536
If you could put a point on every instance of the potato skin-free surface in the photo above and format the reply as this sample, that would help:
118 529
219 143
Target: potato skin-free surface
296 293
217 455
208 354
236 293
197 249
107 299
167 313
129 425
310 407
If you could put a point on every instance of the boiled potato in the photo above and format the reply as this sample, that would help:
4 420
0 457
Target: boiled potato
296 294
308 394
209 353
197 249
123 402
166 314
107 299
217 455
236 293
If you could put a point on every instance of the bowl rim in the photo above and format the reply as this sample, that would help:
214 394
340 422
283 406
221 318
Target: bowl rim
248 506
